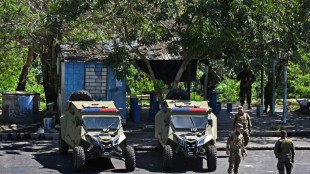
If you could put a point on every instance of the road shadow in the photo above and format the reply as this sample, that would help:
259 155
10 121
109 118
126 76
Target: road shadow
152 162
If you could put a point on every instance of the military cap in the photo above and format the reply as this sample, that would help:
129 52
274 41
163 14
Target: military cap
240 107
239 125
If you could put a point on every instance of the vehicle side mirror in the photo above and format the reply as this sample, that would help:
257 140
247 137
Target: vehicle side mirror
81 122
120 110
210 122
78 122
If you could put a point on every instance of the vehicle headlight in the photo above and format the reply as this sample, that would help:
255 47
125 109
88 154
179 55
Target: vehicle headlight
180 141
115 141
96 141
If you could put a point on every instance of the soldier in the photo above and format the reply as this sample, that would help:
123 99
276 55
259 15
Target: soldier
235 148
245 120
247 78
268 93
285 152
212 82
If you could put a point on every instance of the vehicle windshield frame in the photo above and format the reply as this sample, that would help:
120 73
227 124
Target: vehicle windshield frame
189 121
111 122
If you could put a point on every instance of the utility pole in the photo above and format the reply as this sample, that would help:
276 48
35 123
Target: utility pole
273 87
262 84
285 94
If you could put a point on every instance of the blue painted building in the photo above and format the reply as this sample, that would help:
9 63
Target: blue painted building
83 69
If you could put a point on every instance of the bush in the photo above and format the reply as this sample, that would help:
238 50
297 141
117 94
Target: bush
230 89
196 97
276 128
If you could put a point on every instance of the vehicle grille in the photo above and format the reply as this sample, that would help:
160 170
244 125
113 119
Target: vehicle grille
191 146
106 146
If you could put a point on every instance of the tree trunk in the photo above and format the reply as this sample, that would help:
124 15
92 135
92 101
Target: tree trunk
178 76
152 75
49 71
21 86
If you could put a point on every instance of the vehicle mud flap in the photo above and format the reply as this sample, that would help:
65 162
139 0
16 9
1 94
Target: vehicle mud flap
81 95
78 158
160 147
130 159
62 145
211 158
177 94
167 157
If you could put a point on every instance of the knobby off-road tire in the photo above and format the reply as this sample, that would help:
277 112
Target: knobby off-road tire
62 145
81 95
130 159
211 158
177 94
167 157
78 158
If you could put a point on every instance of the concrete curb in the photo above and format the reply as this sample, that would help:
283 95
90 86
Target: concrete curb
293 133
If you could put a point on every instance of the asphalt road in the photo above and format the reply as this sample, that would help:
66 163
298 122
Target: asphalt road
43 157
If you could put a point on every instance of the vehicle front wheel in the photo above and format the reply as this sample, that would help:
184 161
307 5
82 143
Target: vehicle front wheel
130 159
78 158
211 158
167 157
62 145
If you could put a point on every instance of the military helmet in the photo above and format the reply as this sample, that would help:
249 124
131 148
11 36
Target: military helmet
240 108
239 125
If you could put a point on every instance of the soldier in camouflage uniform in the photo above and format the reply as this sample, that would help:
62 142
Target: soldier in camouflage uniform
247 78
268 93
245 120
235 148
285 152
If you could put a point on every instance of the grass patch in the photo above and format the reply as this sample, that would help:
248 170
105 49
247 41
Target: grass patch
276 128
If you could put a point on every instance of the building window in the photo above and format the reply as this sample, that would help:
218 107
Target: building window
96 82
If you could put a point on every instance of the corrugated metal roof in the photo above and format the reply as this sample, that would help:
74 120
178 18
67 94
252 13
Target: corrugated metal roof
100 51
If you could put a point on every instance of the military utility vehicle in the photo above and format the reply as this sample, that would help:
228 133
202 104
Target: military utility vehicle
93 129
187 128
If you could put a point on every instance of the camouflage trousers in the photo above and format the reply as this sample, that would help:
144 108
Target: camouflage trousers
246 136
284 163
245 91
234 161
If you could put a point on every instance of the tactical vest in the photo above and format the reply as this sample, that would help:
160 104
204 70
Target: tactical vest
285 145
243 119
236 141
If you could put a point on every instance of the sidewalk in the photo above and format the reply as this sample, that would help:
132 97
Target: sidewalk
141 134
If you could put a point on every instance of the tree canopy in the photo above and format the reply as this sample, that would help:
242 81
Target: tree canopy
234 31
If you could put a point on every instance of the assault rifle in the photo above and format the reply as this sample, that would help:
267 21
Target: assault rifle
242 150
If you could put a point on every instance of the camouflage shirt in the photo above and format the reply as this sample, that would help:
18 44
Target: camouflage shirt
235 141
